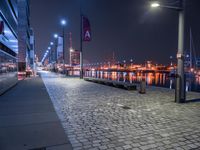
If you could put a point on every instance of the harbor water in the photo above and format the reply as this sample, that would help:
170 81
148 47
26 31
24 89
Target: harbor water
152 78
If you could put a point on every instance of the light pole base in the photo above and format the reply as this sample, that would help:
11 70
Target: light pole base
180 90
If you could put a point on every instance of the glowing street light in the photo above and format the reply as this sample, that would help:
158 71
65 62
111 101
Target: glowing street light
49 49
55 36
55 53
155 4
51 44
63 22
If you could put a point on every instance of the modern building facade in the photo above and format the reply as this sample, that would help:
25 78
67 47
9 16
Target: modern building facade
32 49
198 63
74 57
8 44
32 55
23 35
14 40
59 50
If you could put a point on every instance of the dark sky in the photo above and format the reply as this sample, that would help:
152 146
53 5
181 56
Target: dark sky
129 28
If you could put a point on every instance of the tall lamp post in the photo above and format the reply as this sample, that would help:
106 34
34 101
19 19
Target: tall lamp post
56 37
63 23
51 45
180 79
49 49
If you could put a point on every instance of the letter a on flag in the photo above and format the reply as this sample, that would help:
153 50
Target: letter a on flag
86 29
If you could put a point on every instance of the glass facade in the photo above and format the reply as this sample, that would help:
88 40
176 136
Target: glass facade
8 48
8 63
8 71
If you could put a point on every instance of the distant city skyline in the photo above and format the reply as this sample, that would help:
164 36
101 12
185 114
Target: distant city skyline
131 29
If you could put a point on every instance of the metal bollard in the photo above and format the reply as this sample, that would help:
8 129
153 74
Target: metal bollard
142 87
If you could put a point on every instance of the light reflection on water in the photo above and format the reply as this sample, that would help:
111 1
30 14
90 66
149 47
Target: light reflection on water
157 79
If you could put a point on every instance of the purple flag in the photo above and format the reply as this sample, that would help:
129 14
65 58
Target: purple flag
86 29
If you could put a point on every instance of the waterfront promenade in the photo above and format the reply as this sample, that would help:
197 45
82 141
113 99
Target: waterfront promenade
99 117
28 120
95 117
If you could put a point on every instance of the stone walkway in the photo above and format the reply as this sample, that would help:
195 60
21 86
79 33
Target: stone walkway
28 120
98 117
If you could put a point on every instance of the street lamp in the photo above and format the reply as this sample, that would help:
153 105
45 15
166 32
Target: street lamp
155 4
124 63
180 79
131 63
63 23
171 57
49 48
51 51
56 37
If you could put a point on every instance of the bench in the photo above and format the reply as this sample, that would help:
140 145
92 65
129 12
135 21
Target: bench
117 84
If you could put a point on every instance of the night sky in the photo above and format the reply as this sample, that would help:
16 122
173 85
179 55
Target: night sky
129 28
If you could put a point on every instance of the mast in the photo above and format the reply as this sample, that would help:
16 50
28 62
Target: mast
70 48
70 39
192 51
113 58
190 48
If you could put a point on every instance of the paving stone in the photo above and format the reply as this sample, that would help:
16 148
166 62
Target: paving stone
118 148
94 148
87 146
136 149
111 145
179 148
128 142
192 145
77 148
145 147
103 147
136 145
127 146
96 144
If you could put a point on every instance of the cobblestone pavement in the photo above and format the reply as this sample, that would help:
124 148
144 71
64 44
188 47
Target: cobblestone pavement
99 117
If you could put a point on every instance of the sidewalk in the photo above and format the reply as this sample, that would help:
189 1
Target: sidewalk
28 119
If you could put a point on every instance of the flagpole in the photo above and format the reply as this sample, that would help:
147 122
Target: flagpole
81 51
81 43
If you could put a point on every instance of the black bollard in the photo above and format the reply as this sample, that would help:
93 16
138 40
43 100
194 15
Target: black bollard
142 87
